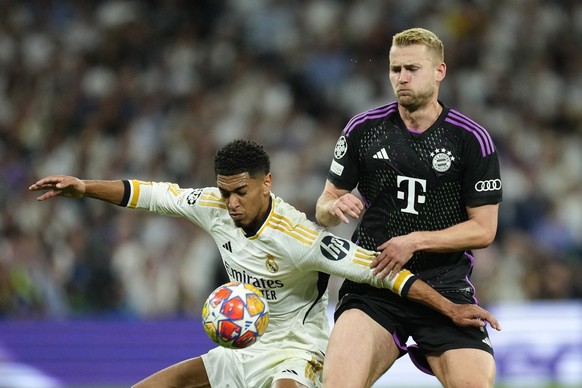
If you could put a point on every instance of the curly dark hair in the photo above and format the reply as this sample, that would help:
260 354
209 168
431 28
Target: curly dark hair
241 156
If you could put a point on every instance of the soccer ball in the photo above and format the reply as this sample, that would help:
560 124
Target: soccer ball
235 315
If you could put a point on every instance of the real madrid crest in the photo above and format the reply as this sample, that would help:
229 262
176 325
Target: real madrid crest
442 159
271 264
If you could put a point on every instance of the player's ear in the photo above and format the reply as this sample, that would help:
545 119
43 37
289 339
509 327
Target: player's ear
440 71
267 181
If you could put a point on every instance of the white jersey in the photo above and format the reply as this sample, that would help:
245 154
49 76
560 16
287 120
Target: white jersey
287 259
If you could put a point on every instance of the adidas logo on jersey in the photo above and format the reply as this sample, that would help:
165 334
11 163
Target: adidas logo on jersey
382 154
227 246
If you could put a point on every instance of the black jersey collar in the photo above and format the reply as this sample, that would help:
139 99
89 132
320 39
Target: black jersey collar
250 232
398 121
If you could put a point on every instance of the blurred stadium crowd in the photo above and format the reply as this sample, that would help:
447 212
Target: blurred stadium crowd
150 89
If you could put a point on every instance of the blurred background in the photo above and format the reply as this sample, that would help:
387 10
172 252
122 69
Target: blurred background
150 89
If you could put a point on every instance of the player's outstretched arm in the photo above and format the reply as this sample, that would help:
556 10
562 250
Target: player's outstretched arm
342 258
72 187
460 314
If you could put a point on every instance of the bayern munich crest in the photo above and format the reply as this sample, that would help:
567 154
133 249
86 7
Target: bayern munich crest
442 159
341 147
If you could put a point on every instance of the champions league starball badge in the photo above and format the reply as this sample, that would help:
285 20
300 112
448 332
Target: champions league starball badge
442 159
341 148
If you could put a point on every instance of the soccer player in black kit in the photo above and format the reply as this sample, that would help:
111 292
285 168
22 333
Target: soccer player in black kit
430 187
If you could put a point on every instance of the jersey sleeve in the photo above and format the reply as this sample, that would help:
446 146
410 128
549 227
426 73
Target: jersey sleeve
343 171
482 184
170 199
346 165
342 258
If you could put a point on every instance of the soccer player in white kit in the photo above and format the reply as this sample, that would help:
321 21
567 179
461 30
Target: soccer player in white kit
268 243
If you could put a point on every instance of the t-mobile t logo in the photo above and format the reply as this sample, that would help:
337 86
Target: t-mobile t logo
412 198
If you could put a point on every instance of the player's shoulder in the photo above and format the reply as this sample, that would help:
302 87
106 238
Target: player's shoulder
282 210
369 118
286 220
455 117
470 129
204 197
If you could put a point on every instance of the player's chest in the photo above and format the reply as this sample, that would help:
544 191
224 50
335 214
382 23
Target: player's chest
253 256
257 263
396 154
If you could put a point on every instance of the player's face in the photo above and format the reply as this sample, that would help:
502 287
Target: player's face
247 198
415 75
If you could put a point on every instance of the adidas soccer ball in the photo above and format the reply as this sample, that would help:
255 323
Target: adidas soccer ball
235 315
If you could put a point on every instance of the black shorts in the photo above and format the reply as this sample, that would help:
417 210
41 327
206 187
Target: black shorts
431 331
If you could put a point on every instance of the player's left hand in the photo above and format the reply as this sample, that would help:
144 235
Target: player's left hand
394 253
472 315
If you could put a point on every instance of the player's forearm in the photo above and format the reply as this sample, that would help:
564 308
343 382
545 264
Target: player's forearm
421 292
467 235
475 233
108 191
323 213
345 259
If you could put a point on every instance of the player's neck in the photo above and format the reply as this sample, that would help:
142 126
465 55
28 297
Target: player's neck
254 228
421 119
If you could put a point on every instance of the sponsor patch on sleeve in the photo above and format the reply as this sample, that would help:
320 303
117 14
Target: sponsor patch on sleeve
336 168
334 248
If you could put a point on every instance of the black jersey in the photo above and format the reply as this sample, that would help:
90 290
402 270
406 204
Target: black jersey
413 181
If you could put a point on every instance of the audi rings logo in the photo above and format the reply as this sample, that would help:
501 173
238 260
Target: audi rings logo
488 185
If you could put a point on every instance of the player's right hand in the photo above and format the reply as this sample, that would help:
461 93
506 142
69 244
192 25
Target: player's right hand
348 204
65 186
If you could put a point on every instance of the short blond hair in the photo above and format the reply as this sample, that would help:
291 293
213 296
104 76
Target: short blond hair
423 37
